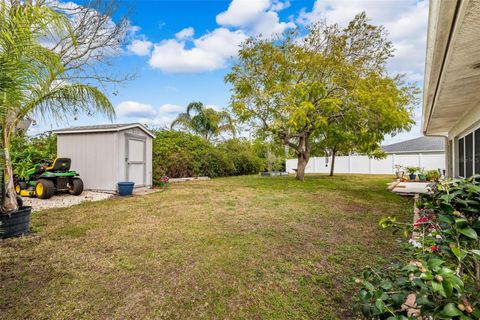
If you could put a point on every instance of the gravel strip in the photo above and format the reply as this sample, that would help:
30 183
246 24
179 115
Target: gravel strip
63 200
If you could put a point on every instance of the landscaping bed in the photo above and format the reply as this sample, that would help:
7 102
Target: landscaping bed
237 248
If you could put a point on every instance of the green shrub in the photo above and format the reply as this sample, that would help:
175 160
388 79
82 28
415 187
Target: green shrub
442 278
179 154
243 156
215 163
26 151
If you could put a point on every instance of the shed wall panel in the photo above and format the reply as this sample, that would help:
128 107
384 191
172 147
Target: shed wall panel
94 157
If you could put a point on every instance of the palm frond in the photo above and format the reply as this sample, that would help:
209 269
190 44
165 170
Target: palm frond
68 99
195 106
183 120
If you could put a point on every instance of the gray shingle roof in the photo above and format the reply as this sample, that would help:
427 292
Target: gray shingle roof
98 127
422 144
103 128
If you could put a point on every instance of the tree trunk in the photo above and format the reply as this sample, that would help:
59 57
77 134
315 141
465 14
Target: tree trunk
302 164
332 167
10 201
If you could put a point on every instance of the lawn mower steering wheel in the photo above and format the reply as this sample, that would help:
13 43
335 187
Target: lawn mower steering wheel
46 161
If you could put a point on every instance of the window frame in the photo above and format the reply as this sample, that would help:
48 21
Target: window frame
463 136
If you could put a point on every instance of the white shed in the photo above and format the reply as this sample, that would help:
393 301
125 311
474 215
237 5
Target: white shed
104 155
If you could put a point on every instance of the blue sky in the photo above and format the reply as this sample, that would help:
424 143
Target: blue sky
180 50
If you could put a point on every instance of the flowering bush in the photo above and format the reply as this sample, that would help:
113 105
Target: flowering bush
163 181
442 278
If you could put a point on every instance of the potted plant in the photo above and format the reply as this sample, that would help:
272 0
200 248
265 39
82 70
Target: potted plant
412 172
30 84
421 175
399 173
432 175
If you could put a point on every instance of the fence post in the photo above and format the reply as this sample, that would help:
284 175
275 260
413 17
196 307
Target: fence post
349 163
393 163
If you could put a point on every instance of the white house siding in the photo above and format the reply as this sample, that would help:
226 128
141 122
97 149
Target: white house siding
93 157
467 123
366 165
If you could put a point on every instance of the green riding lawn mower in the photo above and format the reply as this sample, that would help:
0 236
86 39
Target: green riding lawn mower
47 178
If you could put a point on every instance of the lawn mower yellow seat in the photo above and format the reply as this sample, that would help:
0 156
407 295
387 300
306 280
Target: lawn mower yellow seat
60 164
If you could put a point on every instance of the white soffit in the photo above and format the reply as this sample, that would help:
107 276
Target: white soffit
452 77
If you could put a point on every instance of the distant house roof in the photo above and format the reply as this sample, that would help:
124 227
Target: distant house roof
115 127
422 144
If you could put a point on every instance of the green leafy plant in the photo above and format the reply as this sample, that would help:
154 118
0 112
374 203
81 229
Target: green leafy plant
432 175
180 154
442 278
412 170
26 150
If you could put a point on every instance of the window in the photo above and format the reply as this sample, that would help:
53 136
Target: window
469 155
461 157
477 151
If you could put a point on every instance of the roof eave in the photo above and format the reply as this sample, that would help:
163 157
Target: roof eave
441 22
79 131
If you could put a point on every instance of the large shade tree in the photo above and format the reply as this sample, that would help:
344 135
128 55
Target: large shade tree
204 121
382 105
30 79
297 87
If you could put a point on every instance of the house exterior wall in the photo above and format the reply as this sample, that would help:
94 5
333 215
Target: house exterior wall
467 123
94 157
366 165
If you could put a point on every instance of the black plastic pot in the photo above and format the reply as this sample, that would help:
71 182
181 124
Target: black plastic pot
16 223
412 176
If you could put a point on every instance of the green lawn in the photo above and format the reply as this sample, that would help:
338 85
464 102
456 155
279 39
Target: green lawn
229 248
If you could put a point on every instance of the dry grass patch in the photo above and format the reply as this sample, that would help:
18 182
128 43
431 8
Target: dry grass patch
230 248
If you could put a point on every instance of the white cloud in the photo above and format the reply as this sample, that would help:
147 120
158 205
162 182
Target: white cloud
242 12
405 21
214 107
133 109
140 47
185 34
162 121
255 16
210 52
278 5
171 108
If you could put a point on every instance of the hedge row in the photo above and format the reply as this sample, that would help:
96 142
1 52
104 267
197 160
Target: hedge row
179 154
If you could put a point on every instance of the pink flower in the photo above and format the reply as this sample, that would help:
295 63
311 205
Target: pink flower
420 221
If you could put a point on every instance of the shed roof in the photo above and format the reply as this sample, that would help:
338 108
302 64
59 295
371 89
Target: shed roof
114 127
422 144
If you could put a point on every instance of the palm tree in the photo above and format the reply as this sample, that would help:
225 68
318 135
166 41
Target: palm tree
204 121
29 76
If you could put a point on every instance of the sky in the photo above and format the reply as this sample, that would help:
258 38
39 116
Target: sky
180 51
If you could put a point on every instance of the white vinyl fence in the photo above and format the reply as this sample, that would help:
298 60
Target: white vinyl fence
364 164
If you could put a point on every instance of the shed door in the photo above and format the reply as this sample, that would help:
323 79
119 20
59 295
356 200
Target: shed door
136 160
